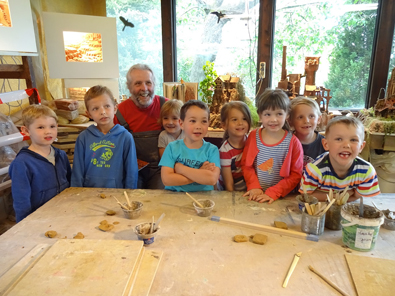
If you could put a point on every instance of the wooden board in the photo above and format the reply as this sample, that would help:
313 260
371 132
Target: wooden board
82 267
372 276
146 273
16 272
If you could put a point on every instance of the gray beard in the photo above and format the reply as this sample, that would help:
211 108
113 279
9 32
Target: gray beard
140 105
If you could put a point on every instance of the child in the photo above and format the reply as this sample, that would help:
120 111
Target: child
191 164
236 121
272 161
170 120
304 117
105 155
340 166
40 171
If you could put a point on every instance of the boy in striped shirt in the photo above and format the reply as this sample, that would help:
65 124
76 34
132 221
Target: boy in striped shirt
340 166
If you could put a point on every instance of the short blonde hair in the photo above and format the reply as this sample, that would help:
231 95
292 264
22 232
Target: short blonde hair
304 101
96 91
349 121
32 112
172 106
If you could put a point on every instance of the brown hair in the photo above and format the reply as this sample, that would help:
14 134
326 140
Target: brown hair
346 120
96 91
191 103
239 105
170 107
32 112
304 101
272 99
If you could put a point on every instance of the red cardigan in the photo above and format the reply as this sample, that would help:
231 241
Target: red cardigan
291 170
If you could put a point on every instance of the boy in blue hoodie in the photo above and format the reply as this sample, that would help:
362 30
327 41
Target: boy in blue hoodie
40 171
104 155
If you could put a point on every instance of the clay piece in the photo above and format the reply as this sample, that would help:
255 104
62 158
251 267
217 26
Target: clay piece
102 195
115 223
280 224
106 227
79 235
240 238
51 233
110 213
259 239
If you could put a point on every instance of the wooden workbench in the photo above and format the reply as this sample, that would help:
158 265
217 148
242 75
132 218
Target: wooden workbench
199 256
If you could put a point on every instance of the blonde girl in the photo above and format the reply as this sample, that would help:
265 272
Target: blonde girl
272 161
236 121
170 120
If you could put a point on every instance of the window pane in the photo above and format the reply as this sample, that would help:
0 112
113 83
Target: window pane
392 61
340 33
230 41
141 43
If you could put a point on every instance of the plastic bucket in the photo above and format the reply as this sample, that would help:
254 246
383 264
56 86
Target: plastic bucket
360 233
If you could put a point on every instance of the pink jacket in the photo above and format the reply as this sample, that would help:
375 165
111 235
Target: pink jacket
291 170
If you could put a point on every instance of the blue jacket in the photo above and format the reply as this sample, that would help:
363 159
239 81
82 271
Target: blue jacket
105 160
35 180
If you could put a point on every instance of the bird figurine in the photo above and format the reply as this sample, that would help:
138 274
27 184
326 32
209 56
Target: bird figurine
218 14
126 23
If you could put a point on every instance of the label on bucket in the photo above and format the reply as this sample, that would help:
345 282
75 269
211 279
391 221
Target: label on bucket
364 238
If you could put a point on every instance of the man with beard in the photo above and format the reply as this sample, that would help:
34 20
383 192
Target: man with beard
139 114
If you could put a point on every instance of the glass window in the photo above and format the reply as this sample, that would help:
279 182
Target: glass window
392 61
340 33
225 35
139 33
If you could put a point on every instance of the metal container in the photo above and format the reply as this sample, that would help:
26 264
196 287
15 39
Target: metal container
312 224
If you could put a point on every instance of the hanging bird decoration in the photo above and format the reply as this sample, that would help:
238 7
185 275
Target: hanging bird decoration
126 23
218 14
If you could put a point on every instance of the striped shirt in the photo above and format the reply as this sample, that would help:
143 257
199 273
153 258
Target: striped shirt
321 175
270 159
231 157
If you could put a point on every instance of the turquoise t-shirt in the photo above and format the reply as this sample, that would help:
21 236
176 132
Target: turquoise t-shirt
177 152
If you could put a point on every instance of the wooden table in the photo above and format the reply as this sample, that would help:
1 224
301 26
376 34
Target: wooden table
199 255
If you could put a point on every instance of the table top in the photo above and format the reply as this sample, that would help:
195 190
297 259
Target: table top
199 255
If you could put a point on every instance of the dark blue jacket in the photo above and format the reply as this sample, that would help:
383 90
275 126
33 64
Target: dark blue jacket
35 180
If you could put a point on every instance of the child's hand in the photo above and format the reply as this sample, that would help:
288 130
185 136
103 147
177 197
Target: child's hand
263 198
253 193
177 167
207 166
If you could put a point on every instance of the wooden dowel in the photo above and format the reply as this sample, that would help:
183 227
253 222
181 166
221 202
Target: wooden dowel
328 281
308 208
122 206
198 203
271 229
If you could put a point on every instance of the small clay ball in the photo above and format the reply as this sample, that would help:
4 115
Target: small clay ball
115 223
280 224
104 222
79 235
110 213
102 195
240 238
51 233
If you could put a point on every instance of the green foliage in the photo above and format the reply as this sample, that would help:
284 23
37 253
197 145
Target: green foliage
254 113
207 85
350 59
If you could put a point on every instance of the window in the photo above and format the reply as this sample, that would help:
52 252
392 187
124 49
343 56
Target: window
340 32
225 35
392 61
139 37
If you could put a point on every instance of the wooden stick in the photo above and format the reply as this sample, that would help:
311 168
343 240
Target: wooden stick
122 206
322 212
291 268
328 281
308 209
152 225
271 229
127 199
198 203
